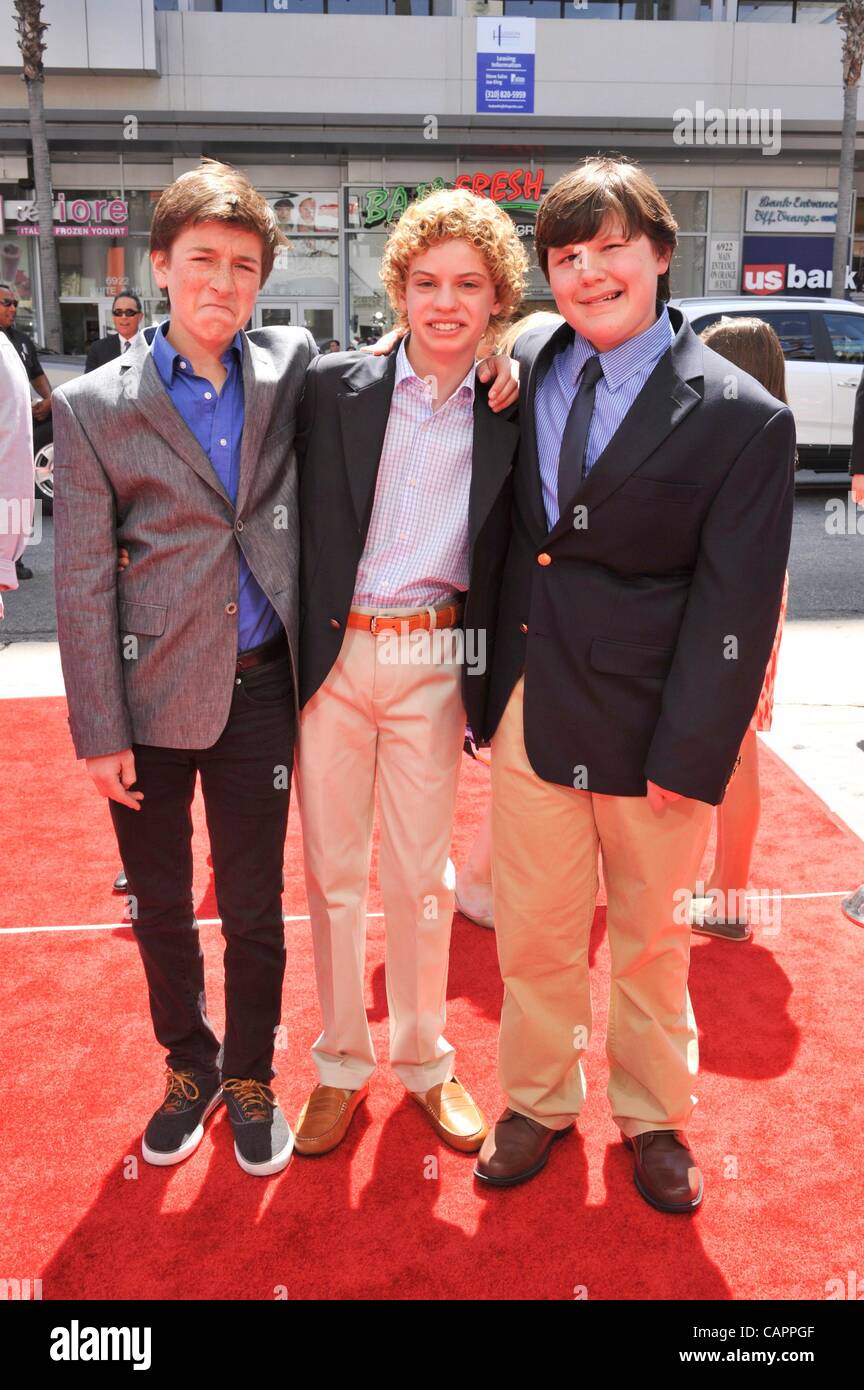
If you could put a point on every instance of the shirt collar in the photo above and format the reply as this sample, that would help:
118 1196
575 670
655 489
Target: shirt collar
168 360
621 362
404 371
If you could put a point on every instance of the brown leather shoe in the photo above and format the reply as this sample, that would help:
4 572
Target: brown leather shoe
666 1173
323 1122
453 1115
516 1149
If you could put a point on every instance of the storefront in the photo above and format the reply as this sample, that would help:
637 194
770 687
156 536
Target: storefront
327 279
103 244
371 210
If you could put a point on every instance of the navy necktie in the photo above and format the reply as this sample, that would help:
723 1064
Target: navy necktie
575 437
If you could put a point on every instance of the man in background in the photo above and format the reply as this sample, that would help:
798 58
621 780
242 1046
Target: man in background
127 313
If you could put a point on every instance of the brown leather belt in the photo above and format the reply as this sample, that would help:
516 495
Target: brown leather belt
268 651
407 622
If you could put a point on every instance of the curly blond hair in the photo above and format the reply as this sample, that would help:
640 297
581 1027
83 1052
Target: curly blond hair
449 214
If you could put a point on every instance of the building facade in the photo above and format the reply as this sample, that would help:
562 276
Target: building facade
341 111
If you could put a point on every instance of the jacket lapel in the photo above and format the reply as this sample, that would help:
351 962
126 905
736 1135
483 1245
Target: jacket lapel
259 381
495 441
364 408
664 401
141 382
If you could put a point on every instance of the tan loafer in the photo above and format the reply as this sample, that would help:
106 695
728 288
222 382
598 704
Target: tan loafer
453 1115
323 1122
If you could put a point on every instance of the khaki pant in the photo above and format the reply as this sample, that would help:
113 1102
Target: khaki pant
544 866
399 723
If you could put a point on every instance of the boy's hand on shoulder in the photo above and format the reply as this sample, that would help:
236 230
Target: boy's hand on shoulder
503 372
113 775
386 343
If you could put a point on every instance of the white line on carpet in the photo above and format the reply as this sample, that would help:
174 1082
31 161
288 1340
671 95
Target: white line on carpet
217 921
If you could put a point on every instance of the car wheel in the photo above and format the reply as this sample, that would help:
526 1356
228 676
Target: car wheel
44 468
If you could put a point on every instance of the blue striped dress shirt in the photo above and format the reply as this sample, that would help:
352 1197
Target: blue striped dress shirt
216 419
625 371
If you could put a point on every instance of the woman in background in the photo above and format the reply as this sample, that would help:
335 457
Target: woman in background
474 879
753 346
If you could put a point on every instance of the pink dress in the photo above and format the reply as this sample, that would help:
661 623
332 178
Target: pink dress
761 721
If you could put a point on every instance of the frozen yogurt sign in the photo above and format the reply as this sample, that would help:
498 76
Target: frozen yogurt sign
72 217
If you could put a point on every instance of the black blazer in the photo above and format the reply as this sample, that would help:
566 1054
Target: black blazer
644 623
341 427
106 349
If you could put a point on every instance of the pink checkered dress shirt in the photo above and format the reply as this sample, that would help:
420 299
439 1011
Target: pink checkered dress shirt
416 551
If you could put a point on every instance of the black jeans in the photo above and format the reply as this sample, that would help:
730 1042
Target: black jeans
245 782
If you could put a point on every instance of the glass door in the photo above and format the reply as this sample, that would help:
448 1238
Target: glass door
276 312
318 315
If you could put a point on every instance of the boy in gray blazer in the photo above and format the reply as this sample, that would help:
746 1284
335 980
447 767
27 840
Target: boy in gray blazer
185 663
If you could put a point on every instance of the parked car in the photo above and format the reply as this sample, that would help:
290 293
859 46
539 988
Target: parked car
823 343
58 370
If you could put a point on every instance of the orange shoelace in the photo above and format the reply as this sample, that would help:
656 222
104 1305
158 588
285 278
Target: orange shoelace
254 1098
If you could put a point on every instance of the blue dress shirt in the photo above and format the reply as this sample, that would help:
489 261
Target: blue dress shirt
216 420
625 370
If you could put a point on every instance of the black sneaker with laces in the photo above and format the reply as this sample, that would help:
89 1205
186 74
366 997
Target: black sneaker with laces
177 1128
263 1142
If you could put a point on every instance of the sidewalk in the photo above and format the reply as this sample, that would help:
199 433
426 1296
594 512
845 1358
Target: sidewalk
818 710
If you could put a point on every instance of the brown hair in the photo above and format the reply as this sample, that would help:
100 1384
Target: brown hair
601 188
449 214
216 192
752 345
541 318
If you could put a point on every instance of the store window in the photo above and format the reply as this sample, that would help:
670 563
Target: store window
371 212
787 11
17 261
610 9
309 265
690 210
379 7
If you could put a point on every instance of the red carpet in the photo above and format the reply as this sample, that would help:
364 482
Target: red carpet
393 1213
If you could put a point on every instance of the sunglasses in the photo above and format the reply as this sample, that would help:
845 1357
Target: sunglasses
9 303
125 313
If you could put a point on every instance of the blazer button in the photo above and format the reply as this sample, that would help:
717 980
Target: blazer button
238 526
231 608
523 627
334 622
544 559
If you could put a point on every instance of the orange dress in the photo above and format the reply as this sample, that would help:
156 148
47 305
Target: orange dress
761 721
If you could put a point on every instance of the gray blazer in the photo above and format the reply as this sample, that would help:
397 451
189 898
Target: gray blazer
149 655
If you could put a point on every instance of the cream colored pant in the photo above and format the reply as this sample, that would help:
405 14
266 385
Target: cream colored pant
400 723
544 867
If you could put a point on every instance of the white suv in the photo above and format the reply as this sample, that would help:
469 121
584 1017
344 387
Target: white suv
823 342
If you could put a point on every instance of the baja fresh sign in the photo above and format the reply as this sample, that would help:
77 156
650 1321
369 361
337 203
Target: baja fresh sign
790 210
517 190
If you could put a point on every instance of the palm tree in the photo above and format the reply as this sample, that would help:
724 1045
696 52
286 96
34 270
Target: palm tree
850 18
31 28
